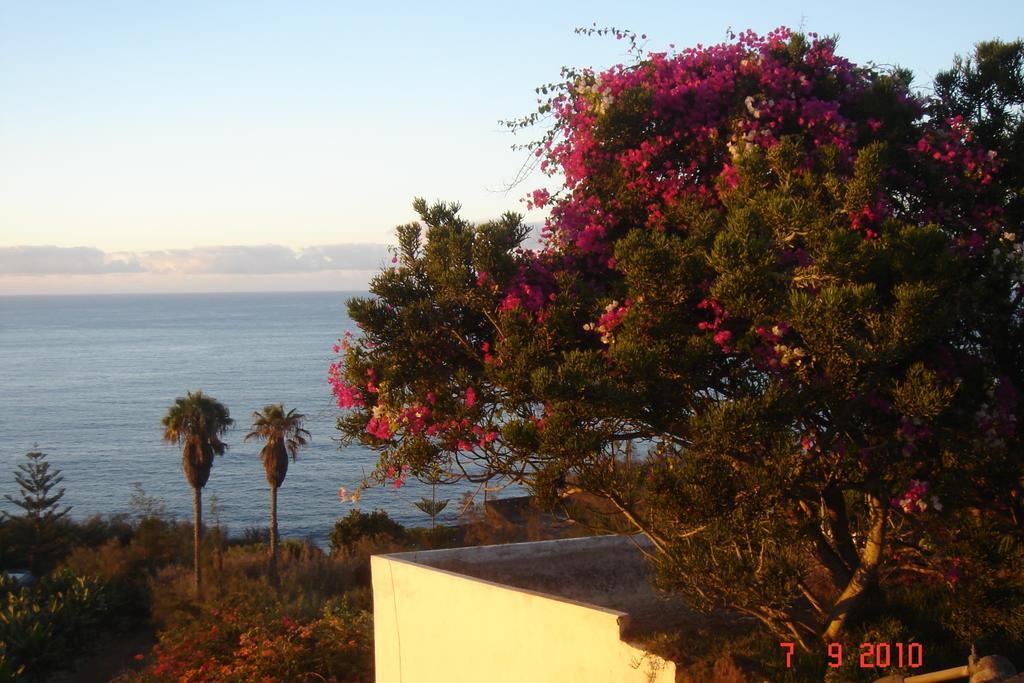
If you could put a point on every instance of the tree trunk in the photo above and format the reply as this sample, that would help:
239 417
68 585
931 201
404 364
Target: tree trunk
197 538
867 572
839 525
33 546
273 532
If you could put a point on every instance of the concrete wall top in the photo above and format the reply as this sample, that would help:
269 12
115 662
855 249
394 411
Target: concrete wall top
488 554
609 572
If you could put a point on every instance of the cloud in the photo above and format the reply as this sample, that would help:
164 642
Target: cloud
348 256
64 261
268 259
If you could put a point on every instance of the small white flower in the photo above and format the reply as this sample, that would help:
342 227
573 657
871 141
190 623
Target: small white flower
749 101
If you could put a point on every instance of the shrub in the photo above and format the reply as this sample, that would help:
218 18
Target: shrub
43 627
357 526
241 642
313 623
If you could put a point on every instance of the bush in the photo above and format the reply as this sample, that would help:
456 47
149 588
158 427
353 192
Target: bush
253 535
243 642
131 558
43 627
357 526
314 623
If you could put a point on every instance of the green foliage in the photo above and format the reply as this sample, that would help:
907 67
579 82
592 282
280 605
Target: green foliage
43 627
431 507
38 534
357 526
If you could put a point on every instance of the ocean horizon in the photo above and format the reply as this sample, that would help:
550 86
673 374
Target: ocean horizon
88 377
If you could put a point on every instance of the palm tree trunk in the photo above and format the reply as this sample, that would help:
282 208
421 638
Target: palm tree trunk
273 531
197 537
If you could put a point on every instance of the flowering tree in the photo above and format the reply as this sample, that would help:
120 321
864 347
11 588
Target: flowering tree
775 321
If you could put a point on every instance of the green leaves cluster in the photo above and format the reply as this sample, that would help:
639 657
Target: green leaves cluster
44 626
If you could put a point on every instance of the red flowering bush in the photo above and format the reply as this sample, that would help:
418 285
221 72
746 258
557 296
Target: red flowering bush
244 643
776 321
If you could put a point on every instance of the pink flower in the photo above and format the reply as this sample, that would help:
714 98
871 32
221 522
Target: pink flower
719 313
417 417
612 317
348 395
913 499
380 428
470 397
540 198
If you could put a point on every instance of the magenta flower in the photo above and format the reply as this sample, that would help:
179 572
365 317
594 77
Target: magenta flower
380 428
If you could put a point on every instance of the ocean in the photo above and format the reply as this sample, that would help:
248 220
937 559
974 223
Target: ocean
87 379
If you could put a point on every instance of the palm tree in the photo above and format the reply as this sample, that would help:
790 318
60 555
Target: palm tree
284 435
197 422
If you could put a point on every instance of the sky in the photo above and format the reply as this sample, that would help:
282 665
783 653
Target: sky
255 146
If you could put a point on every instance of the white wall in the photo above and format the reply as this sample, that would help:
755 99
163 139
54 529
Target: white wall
435 625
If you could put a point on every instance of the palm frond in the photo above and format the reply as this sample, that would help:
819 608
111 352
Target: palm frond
197 421
284 435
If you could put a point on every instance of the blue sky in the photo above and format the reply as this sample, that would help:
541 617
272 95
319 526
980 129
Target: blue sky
166 133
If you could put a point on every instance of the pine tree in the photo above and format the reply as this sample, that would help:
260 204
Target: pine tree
42 534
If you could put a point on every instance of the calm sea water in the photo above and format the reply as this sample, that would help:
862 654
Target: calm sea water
88 379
